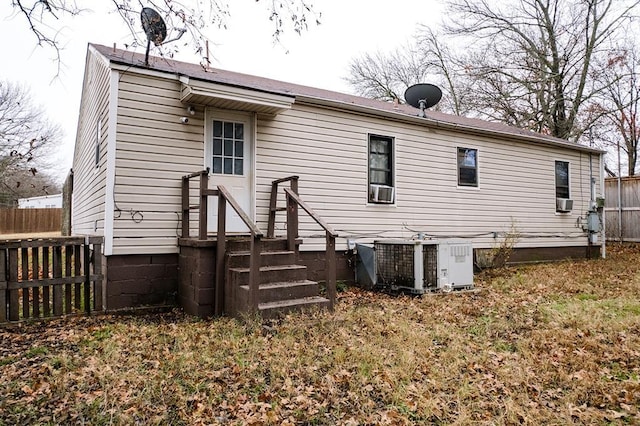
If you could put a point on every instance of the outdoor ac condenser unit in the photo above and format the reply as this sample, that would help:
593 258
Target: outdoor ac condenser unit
382 193
421 266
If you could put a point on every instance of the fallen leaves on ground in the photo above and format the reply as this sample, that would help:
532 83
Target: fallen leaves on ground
543 344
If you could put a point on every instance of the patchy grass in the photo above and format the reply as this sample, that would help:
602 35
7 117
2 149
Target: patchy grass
543 344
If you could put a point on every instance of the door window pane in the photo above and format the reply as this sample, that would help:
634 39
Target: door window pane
217 146
228 166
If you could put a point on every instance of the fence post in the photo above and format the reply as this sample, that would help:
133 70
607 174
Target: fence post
57 288
87 276
14 307
3 285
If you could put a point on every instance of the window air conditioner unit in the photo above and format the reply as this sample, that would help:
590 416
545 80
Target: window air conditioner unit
421 266
564 205
382 193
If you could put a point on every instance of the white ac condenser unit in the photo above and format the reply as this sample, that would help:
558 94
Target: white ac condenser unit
421 266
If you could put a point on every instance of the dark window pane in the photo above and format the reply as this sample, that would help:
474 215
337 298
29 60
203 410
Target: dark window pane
217 129
468 176
228 166
217 165
228 130
217 146
239 131
239 148
228 147
238 167
380 177
379 161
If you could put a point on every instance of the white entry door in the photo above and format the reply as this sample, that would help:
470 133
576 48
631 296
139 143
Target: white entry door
229 157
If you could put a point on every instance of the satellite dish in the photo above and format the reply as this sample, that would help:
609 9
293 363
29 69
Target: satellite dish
154 27
423 96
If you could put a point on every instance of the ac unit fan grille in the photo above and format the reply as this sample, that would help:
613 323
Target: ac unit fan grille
430 265
394 264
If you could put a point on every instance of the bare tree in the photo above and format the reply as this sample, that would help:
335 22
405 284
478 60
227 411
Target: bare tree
27 140
618 107
428 59
194 16
528 63
538 56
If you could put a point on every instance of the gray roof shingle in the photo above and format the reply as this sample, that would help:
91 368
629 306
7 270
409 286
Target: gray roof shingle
310 94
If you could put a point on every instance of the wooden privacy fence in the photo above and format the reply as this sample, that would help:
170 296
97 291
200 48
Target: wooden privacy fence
50 277
622 209
18 221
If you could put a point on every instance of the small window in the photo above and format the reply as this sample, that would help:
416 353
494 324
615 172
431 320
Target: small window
381 187
562 179
467 167
98 139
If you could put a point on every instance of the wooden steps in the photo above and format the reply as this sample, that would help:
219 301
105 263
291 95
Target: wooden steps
283 284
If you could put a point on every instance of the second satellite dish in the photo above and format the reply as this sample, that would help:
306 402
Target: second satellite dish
423 96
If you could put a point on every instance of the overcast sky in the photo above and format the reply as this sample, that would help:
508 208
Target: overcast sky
318 58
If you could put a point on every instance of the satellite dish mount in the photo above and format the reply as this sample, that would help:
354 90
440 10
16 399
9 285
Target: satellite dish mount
423 96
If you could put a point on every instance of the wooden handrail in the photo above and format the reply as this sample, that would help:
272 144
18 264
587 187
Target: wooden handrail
293 201
273 208
234 204
310 212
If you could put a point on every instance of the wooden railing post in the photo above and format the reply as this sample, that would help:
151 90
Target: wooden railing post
254 274
292 223
330 269
3 285
25 277
185 207
294 184
273 204
204 185
221 248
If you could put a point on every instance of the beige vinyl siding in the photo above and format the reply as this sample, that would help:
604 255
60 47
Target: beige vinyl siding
154 151
89 181
328 150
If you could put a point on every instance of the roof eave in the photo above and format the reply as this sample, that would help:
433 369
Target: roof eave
439 124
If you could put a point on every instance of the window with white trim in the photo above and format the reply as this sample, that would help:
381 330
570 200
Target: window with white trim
381 185
467 167
562 179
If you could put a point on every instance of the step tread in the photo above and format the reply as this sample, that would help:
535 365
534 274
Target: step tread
293 302
282 284
268 252
271 268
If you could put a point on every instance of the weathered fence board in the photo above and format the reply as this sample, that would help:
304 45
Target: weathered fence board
17 221
50 277
622 209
